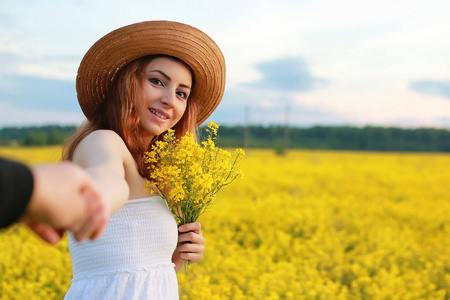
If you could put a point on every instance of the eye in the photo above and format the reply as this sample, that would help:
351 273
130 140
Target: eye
182 95
156 81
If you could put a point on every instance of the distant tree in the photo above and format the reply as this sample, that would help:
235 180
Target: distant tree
35 138
368 138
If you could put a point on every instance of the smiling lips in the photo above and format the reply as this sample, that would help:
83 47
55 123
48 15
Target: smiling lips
159 114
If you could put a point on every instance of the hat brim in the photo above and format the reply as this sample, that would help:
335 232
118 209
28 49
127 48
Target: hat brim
120 47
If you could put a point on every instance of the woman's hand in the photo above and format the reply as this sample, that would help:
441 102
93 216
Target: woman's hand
191 244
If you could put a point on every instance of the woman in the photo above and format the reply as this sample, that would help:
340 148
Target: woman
133 85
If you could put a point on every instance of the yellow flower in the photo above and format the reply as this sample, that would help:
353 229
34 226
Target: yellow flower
212 128
188 175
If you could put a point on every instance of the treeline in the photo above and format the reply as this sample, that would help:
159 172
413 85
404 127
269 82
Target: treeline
35 136
276 137
367 138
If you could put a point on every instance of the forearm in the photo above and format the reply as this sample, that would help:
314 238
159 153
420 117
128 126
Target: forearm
103 154
113 187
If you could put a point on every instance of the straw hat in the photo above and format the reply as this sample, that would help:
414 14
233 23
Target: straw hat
118 48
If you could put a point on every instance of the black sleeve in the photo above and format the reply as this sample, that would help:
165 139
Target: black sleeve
16 186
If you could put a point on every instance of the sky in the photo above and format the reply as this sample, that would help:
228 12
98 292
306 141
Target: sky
301 63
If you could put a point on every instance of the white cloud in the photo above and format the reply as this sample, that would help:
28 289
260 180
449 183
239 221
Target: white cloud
12 116
364 106
267 103
51 70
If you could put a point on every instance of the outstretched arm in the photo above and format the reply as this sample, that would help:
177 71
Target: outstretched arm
102 154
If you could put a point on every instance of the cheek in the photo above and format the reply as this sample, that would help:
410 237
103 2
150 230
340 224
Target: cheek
180 113
182 109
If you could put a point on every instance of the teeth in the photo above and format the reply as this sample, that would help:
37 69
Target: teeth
158 114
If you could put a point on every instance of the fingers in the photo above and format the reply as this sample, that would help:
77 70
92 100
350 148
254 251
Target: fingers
191 237
192 252
195 227
191 243
93 227
191 256
50 235
100 217
98 232
96 219
45 232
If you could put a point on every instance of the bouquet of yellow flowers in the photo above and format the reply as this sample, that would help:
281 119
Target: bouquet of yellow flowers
188 175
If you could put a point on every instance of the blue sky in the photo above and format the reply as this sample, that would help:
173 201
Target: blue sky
327 62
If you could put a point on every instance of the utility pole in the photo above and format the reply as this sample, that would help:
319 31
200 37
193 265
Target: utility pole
287 134
247 127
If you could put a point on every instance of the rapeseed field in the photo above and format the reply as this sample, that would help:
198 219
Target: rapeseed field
307 225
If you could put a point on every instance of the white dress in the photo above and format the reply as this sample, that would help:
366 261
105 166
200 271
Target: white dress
132 260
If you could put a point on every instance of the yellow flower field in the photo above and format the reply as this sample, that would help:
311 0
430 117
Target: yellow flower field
308 225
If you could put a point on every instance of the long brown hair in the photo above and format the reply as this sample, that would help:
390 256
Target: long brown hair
119 113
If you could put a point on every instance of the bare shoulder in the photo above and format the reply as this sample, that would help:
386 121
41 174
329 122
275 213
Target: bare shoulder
100 146
103 136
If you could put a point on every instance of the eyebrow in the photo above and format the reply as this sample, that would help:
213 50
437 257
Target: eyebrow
168 77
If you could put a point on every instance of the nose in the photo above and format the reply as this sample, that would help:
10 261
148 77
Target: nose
168 98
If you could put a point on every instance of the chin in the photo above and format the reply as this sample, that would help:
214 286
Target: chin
152 131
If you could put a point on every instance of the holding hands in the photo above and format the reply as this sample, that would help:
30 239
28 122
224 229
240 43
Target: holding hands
65 198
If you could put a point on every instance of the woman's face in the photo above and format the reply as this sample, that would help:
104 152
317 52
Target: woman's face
163 94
